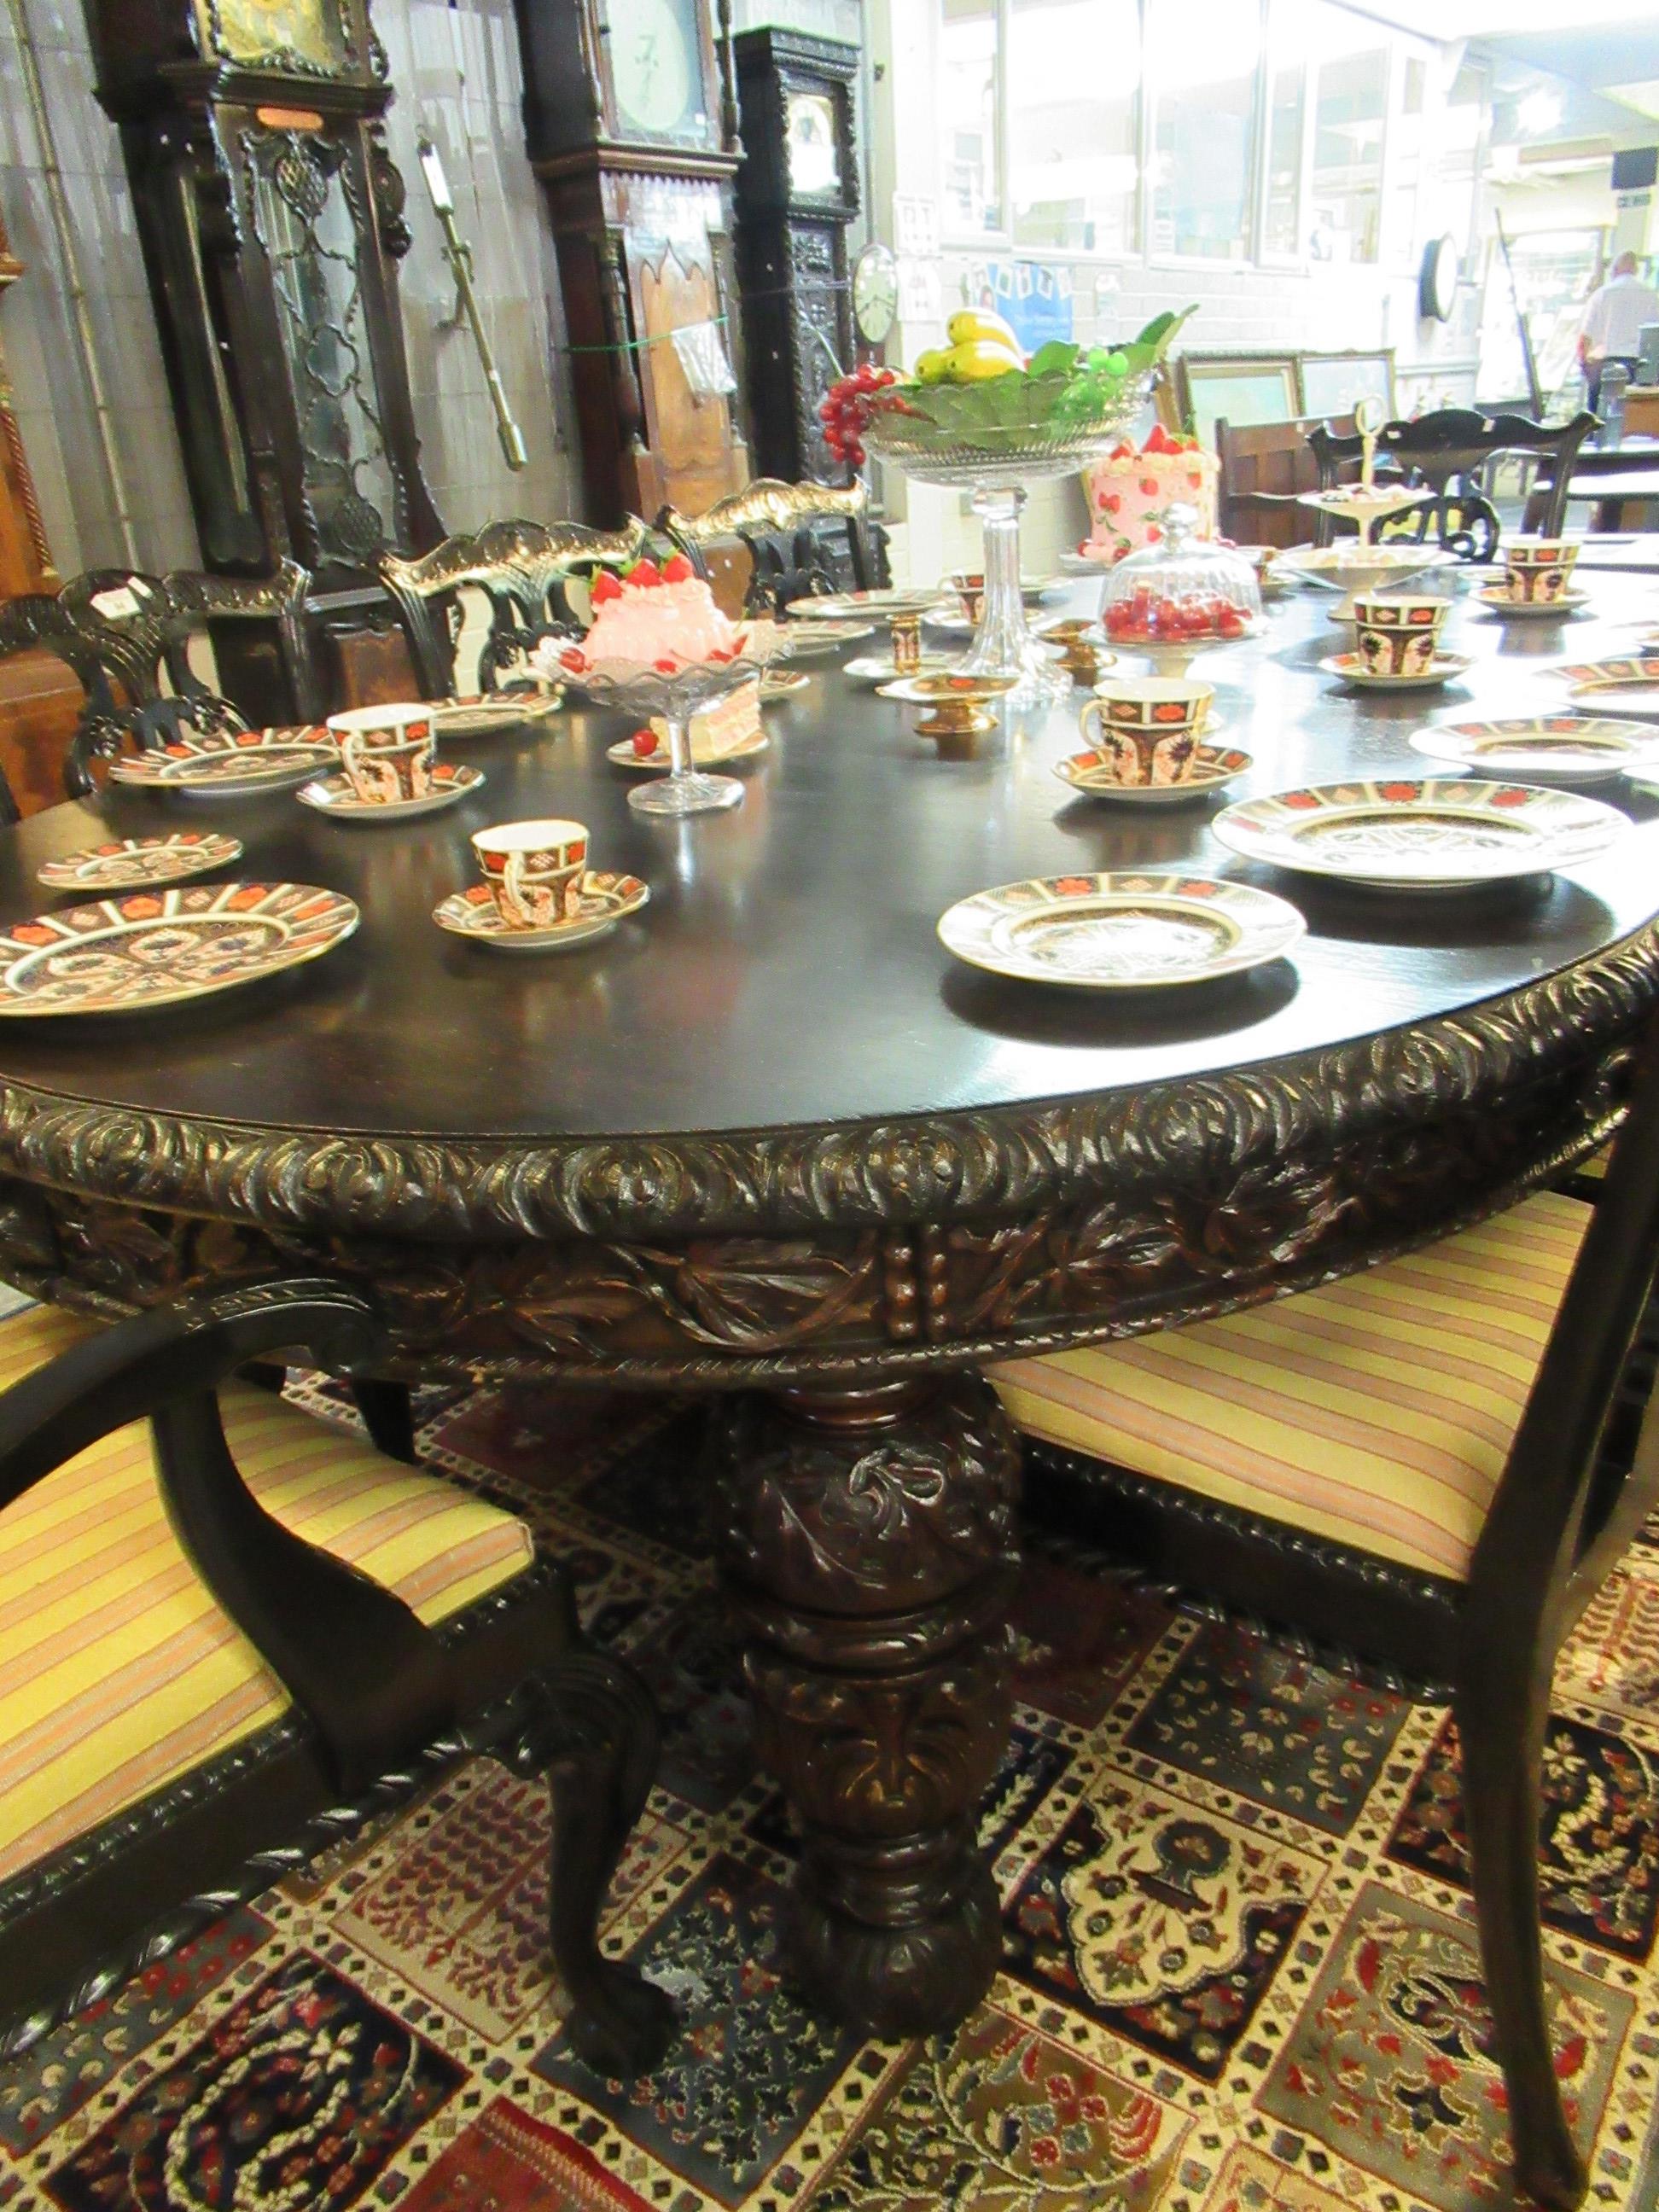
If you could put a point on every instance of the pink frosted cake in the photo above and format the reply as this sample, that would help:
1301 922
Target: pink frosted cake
664 619
1130 493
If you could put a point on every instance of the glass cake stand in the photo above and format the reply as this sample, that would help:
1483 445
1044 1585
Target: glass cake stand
998 468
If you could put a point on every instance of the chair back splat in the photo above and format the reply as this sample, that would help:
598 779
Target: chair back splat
522 571
1449 453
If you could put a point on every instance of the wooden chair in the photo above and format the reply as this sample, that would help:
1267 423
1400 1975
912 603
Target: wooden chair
1416 1463
801 540
218 1662
1449 453
521 571
128 637
1265 466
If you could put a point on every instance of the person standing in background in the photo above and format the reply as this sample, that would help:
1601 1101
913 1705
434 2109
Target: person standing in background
1611 331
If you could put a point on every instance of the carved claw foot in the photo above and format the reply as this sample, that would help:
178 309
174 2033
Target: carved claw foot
624 2023
867 1541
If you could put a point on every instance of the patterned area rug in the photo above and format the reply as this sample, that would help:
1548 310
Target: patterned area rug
1239 1970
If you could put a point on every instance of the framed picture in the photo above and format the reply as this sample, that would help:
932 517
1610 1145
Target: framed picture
1331 382
1238 388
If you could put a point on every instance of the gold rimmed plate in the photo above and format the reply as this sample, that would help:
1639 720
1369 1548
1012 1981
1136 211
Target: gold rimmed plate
814 641
1407 833
1497 601
1544 748
1212 768
1121 931
230 765
782 684
888 605
152 949
1625 686
337 796
605 899
122 864
878 668
1351 669
484 711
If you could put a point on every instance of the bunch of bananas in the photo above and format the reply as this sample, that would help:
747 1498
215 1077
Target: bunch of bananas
982 345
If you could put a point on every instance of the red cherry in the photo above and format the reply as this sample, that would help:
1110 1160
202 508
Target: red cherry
645 744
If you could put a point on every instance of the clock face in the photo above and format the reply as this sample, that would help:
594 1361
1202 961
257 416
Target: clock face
656 69
875 293
814 158
309 31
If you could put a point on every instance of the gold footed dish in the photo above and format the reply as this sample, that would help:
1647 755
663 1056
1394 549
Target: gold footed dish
957 710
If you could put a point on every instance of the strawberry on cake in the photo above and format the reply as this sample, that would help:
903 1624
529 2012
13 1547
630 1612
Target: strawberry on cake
1130 493
664 619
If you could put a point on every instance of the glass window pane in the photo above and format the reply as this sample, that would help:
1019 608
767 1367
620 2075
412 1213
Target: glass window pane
1202 59
967 101
1281 230
1347 153
1073 80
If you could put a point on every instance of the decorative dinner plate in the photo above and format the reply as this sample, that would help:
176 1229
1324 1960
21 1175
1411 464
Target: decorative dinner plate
1544 748
782 684
1125 931
125 863
878 668
887 605
1420 835
1623 687
623 752
1352 670
1080 564
607 898
1213 767
156 948
335 795
1494 597
479 714
228 765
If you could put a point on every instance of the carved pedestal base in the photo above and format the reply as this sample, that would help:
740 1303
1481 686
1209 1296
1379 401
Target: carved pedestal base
867 1541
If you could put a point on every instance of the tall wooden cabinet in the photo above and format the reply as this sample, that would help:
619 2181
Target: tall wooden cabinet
631 124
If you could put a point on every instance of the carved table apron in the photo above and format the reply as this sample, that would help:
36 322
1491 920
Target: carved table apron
769 1142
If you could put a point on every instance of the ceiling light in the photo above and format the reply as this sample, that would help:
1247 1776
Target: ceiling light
1538 113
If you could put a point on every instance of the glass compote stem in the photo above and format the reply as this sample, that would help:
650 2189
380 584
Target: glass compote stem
684 789
1003 645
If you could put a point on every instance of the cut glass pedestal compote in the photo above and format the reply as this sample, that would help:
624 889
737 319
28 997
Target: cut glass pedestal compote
673 697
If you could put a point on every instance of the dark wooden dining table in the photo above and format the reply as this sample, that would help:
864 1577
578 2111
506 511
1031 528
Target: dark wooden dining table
770 1142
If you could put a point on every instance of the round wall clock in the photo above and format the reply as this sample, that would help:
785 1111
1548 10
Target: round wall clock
875 292
1437 279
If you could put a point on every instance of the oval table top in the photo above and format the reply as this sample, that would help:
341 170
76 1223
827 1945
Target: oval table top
786 976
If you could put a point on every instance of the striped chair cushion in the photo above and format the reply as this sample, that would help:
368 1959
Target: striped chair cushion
120 1673
1377 1411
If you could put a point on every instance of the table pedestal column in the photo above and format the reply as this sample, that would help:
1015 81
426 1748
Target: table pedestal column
867 1542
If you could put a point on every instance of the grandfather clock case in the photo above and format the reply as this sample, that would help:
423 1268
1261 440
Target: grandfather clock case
272 219
630 121
798 190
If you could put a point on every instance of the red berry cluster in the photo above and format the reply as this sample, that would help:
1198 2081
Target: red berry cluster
846 408
1155 617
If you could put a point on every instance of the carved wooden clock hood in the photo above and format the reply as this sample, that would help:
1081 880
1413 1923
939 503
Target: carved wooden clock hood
271 218
632 126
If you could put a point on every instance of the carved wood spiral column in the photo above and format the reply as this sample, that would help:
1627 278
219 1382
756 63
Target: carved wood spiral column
867 1541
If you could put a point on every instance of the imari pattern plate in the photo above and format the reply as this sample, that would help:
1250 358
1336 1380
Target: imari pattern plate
127 863
1544 748
479 714
229 763
156 948
605 899
1351 669
337 795
1420 835
880 667
1121 931
1625 687
818 639
1213 767
1497 597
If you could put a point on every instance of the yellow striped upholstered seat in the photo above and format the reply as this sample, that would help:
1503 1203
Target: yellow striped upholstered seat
120 1672
1376 1411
